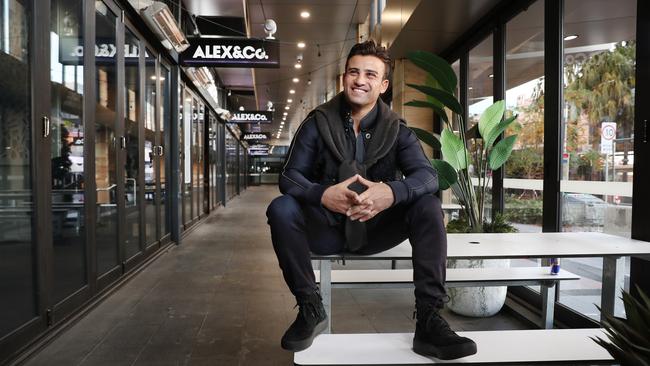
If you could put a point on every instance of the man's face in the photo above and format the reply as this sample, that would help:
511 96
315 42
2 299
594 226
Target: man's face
364 81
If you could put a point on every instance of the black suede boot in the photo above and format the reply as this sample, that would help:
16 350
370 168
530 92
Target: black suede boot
434 337
310 322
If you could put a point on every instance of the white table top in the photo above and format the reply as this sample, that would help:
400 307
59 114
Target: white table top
523 245
453 275
495 347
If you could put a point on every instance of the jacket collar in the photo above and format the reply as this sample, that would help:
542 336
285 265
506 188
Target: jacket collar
368 121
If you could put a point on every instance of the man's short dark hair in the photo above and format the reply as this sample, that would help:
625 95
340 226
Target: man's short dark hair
370 48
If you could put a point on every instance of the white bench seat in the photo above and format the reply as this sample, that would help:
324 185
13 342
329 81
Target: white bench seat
456 277
494 347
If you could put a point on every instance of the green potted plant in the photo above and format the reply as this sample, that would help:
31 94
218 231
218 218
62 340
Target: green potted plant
629 339
469 156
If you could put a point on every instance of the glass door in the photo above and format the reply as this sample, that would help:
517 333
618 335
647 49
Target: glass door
67 150
106 79
18 247
151 151
131 144
164 162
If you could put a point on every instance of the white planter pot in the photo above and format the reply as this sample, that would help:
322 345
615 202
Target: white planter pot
477 301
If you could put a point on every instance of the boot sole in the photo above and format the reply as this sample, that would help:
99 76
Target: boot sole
297 346
451 352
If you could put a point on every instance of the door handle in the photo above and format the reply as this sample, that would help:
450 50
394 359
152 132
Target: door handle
123 142
161 150
46 126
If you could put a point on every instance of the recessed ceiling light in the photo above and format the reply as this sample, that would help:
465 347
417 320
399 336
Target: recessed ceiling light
304 14
570 37
292 91
285 113
297 66
287 107
470 88
241 108
289 100
301 44
491 75
282 123
295 80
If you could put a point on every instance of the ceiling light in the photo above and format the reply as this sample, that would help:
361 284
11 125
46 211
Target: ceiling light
241 108
470 88
295 80
282 123
491 75
570 37
301 44
285 113
289 100
297 65
309 82
304 14
287 107
292 91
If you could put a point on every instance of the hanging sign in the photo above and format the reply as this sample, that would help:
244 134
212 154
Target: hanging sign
258 150
231 52
252 117
250 136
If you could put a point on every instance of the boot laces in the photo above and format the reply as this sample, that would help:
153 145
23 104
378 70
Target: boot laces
435 321
310 309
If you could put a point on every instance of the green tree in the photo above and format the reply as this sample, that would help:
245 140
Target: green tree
601 88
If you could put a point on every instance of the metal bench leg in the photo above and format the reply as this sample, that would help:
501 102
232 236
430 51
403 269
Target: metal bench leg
612 276
326 290
548 305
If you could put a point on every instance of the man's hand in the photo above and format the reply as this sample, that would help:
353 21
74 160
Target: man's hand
339 198
378 197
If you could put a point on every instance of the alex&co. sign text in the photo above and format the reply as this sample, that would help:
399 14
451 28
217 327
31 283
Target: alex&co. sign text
252 117
231 52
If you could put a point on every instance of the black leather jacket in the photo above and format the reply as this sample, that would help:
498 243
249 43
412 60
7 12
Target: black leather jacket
310 167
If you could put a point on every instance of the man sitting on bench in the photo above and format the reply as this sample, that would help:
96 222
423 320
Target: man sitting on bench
343 190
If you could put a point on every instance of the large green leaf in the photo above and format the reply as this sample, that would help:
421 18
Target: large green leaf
437 67
498 130
446 98
436 108
501 152
491 118
453 150
447 175
427 137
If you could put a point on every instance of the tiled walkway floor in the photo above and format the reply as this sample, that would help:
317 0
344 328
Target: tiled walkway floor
219 299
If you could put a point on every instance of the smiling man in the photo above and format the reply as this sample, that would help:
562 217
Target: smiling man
356 179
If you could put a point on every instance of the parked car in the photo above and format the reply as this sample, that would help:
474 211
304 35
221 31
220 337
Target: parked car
583 209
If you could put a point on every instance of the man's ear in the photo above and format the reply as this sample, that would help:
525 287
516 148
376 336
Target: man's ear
384 86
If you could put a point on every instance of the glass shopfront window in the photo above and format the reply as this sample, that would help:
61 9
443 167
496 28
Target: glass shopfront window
67 152
164 165
524 171
480 94
17 249
150 166
187 157
131 125
105 143
598 150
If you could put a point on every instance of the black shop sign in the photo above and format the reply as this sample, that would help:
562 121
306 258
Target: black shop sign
252 117
254 136
231 52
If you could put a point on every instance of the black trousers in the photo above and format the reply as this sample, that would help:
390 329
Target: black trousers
297 229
